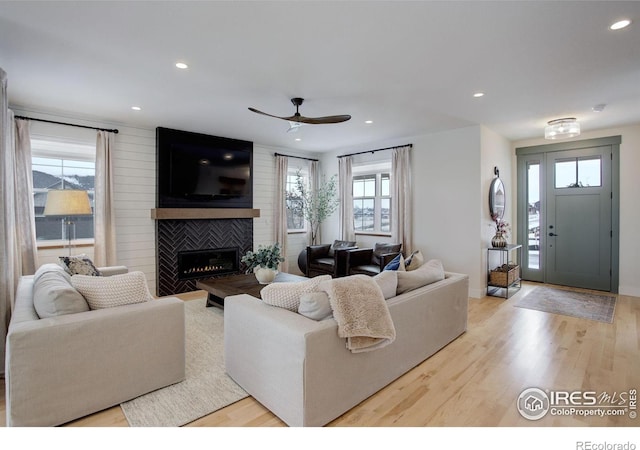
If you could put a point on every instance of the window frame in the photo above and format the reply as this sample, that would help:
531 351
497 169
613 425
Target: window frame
378 171
69 151
292 173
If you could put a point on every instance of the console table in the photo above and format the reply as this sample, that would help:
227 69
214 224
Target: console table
219 288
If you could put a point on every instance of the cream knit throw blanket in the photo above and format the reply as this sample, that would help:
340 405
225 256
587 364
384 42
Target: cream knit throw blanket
361 312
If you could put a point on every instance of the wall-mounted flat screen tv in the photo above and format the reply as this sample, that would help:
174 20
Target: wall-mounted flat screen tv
201 171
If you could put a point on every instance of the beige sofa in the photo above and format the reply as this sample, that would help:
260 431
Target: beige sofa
58 369
301 370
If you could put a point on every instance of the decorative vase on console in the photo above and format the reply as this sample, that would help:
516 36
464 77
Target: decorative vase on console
263 262
502 231
499 240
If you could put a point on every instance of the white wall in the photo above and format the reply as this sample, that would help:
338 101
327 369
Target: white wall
629 282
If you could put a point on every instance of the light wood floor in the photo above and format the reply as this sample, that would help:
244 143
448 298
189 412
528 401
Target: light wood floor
476 380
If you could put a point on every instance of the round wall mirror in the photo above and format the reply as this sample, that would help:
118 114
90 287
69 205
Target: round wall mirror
497 199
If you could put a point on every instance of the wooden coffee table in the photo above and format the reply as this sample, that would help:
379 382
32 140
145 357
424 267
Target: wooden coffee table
219 288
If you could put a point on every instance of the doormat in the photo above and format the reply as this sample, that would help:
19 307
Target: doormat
570 303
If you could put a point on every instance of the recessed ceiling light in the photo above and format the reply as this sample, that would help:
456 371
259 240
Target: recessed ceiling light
619 25
599 108
181 65
478 94
368 121
136 108
298 139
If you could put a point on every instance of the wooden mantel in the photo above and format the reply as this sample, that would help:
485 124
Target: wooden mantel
204 213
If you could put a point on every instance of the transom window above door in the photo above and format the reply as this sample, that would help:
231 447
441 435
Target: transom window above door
578 172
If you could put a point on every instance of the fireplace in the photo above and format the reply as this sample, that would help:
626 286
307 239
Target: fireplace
208 263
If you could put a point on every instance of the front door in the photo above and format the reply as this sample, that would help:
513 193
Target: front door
568 213
578 222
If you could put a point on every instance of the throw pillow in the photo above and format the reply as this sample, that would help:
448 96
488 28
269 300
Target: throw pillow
117 290
53 295
287 295
50 267
428 273
396 263
414 260
337 245
79 265
315 305
388 283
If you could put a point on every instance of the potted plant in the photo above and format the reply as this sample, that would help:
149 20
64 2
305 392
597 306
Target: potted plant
264 262
314 205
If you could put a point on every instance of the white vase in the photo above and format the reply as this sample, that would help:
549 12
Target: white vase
265 275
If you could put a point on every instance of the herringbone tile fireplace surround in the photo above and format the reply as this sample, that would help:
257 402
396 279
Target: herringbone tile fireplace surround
175 236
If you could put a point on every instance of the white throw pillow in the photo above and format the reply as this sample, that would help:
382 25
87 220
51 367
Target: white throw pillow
315 305
428 273
388 282
53 295
117 290
287 295
414 261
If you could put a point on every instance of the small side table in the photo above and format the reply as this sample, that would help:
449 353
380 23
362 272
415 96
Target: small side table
506 281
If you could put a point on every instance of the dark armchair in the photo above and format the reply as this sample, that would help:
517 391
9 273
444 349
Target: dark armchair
371 261
328 259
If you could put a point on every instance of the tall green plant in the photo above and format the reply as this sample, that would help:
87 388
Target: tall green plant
314 205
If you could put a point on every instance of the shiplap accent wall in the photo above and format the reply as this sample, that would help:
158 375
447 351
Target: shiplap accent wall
134 167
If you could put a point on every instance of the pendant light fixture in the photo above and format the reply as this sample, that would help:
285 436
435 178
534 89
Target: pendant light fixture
562 128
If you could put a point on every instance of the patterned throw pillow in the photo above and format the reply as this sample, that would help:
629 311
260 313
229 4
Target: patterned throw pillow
414 261
79 265
117 290
287 295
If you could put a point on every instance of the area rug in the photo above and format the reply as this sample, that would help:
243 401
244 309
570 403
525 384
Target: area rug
570 303
207 388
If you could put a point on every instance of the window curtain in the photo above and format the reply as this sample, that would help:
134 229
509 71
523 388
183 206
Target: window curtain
280 208
8 244
25 216
314 182
17 221
104 211
345 181
401 225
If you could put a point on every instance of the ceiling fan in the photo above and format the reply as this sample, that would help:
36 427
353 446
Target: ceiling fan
297 120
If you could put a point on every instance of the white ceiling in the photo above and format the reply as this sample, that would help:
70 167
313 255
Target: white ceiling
411 67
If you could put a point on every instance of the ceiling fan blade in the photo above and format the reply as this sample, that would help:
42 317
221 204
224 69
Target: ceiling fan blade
323 120
270 115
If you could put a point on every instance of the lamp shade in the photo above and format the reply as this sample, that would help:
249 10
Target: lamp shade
562 128
67 202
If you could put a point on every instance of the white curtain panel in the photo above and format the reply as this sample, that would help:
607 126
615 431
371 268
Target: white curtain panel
401 224
10 267
314 176
25 216
345 181
280 209
104 210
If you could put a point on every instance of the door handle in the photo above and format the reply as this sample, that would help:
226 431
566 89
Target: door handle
552 234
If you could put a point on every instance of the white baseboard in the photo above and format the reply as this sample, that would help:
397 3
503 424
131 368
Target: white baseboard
477 293
633 291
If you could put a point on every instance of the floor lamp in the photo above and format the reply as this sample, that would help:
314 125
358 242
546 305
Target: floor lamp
68 203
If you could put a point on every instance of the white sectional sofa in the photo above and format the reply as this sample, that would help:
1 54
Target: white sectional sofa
68 366
301 370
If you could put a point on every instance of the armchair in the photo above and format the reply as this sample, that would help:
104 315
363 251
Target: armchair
371 261
328 259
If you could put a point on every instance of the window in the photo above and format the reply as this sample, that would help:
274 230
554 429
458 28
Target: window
295 213
58 165
372 199
578 172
